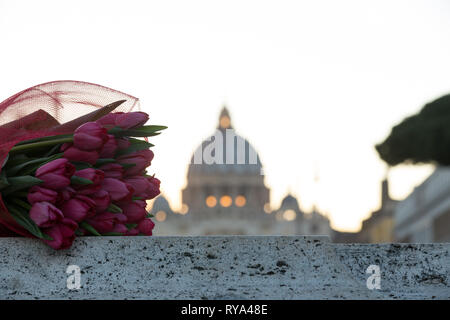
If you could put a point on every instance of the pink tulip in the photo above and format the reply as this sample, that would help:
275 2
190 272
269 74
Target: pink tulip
144 187
79 208
45 215
74 154
118 190
121 218
90 136
94 175
103 222
141 160
109 148
120 228
123 120
112 170
154 190
132 232
140 185
55 174
109 121
131 120
62 234
146 226
39 194
65 195
102 200
134 211
122 143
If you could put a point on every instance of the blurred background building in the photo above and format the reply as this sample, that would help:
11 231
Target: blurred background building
424 216
379 227
231 197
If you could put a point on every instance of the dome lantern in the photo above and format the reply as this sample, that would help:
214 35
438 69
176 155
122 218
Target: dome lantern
224 119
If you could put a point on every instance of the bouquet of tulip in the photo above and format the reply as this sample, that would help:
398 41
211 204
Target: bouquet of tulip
86 176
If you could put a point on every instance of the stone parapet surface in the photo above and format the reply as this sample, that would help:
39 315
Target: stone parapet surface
222 267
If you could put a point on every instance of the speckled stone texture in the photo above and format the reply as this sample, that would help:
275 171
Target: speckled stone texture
222 267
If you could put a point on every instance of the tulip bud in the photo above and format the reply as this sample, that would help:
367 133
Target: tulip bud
134 211
62 234
109 121
39 194
79 208
65 195
120 228
123 120
121 217
141 160
131 120
144 187
102 200
90 136
154 189
55 174
44 214
123 143
112 170
132 232
94 175
118 190
74 154
146 226
109 148
103 222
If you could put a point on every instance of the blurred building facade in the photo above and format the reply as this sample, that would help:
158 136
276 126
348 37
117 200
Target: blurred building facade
379 227
424 216
226 195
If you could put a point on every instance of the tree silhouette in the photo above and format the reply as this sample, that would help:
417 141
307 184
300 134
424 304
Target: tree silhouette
421 138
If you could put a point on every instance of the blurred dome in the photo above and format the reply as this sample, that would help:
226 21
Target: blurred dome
161 204
290 202
242 157
225 175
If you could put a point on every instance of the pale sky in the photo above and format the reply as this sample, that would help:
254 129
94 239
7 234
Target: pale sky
311 84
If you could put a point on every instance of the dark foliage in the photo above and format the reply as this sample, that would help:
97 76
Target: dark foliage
421 138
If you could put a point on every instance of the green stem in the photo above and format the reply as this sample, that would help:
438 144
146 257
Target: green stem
21 203
22 194
29 146
89 228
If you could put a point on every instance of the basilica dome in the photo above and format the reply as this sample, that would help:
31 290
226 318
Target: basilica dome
225 152
225 175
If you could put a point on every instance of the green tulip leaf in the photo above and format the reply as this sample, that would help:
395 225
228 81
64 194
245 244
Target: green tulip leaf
135 145
114 209
80 181
112 234
31 166
101 162
20 183
3 180
144 131
89 228
23 219
48 138
81 165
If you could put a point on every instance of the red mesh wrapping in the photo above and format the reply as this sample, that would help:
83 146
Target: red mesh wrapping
40 110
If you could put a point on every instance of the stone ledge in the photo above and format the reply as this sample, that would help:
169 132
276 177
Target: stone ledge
222 267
